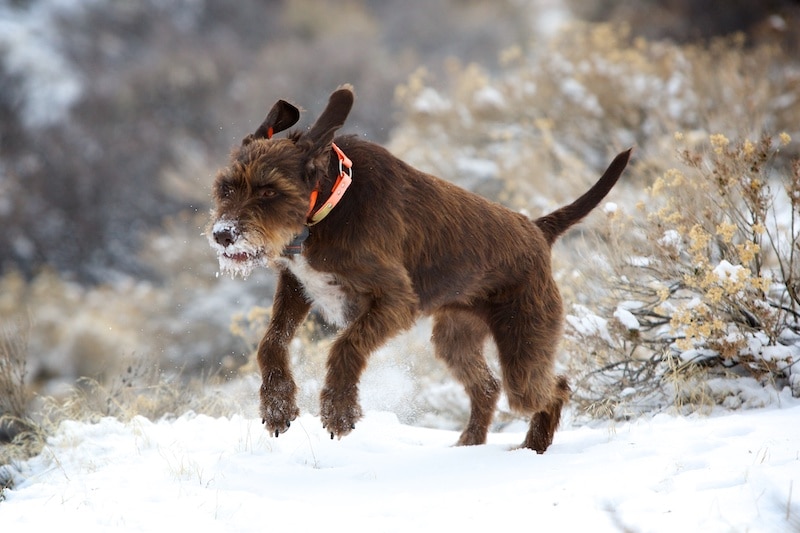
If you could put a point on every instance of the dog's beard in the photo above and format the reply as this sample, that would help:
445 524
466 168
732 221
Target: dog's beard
240 259
242 256
250 249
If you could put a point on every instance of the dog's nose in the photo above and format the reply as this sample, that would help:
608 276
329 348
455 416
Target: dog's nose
224 237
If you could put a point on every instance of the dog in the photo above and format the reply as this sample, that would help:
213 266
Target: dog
374 244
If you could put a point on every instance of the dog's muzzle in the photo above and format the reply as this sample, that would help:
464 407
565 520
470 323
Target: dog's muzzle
235 253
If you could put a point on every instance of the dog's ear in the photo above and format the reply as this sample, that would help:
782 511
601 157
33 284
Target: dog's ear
332 118
283 115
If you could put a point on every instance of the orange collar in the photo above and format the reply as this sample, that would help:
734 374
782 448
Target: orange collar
342 183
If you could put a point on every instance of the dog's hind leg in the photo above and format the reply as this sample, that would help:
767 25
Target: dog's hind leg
458 338
544 423
527 329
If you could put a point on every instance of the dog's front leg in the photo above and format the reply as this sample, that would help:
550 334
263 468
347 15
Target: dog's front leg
278 390
383 317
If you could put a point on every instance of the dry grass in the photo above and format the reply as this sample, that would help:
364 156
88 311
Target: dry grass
14 392
20 435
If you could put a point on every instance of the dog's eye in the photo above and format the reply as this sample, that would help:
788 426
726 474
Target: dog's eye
225 191
267 192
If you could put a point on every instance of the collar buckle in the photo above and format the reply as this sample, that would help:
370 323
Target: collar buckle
296 246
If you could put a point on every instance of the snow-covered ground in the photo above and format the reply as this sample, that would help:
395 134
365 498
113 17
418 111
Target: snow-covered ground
732 471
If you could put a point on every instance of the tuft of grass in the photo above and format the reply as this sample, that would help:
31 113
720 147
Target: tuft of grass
14 394
145 389
20 436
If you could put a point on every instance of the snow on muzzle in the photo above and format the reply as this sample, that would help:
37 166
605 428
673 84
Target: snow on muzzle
236 254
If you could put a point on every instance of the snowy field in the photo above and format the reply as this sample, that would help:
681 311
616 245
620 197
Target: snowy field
732 471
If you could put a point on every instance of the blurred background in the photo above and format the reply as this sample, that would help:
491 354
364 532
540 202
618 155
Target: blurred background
115 116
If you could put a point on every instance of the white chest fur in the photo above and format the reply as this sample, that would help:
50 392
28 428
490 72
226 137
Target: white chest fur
321 289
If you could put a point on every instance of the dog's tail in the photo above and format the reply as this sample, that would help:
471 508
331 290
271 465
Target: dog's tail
557 222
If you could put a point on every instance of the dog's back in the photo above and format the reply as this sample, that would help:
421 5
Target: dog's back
457 246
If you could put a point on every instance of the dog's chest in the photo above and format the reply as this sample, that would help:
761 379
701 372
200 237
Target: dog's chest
321 289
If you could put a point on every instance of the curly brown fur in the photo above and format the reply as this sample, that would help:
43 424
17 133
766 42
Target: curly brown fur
400 244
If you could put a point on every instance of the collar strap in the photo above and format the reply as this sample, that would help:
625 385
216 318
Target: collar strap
343 181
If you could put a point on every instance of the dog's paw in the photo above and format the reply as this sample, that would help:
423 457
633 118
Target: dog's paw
472 437
278 407
340 411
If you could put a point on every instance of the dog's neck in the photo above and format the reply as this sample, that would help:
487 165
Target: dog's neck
343 181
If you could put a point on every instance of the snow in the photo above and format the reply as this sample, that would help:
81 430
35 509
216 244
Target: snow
579 95
470 168
489 98
696 355
639 261
242 246
725 472
627 319
33 51
726 271
586 323
550 17
431 102
671 238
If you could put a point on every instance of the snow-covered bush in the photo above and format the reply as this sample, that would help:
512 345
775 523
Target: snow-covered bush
699 279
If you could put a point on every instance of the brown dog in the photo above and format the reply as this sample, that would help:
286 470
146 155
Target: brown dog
398 245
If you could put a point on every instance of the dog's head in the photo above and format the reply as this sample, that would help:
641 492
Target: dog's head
262 197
